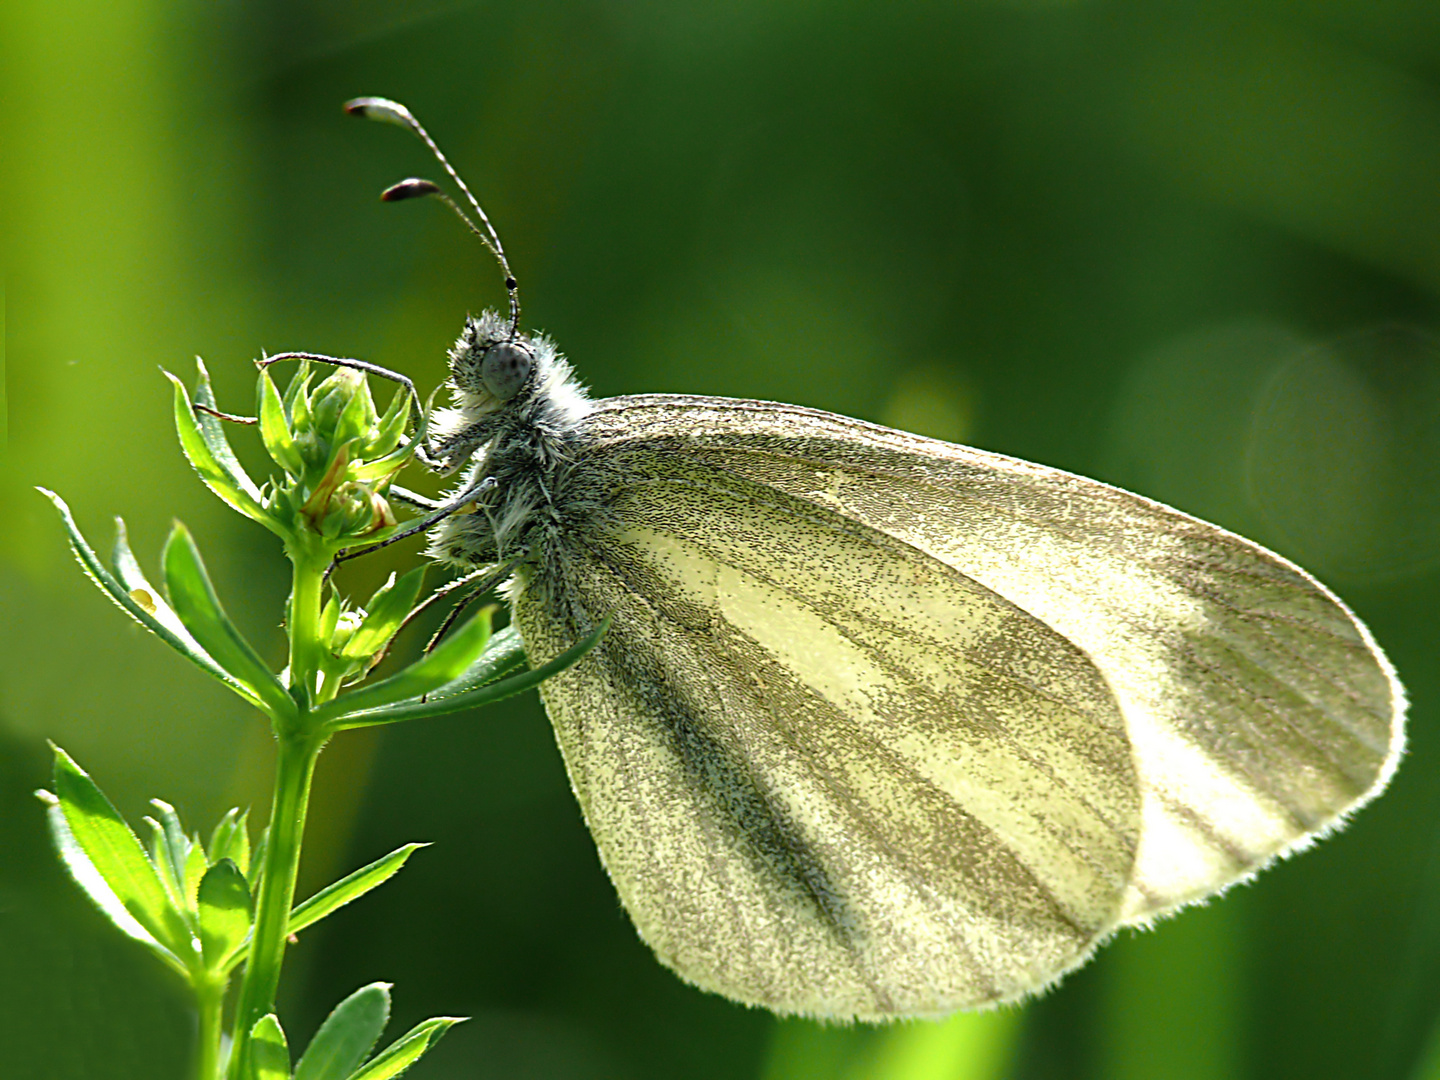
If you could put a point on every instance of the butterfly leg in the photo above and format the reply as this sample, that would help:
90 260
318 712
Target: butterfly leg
413 498
476 584
420 524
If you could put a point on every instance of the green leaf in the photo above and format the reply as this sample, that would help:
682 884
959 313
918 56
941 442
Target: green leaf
132 578
160 858
350 887
83 873
396 459
269 1053
171 850
297 394
359 417
382 468
140 600
235 488
257 853
447 662
391 427
196 866
194 600
406 1050
275 430
472 690
503 654
384 614
329 617
231 840
115 854
347 1035
213 428
226 911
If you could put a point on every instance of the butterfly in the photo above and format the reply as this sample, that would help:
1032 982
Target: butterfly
885 726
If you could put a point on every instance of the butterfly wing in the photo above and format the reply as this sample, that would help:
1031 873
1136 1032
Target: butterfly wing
887 726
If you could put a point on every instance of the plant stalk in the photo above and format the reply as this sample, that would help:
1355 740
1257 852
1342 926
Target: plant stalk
297 749
306 595
294 768
210 999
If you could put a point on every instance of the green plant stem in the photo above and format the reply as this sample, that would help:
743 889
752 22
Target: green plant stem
297 747
294 768
210 999
306 595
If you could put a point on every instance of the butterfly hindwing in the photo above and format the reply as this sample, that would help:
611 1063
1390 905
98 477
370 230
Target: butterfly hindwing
827 772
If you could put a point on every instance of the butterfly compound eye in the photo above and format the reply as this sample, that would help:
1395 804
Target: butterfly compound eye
505 368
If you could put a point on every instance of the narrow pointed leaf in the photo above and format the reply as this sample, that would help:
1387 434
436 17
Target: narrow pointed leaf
172 630
177 844
406 1050
447 662
347 1035
504 654
171 876
350 887
142 601
358 416
84 874
194 600
297 392
269 1053
257 853
275 430
329 618
225 909
447 700
397 458
384 614
117 856
372 472
213 430
231 840
390 429
236 489
196 867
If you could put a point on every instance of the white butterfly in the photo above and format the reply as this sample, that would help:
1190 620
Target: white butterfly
885 726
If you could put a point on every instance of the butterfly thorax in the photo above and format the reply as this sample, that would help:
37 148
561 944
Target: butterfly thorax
514 455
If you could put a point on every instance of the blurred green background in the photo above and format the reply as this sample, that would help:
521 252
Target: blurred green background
1190 248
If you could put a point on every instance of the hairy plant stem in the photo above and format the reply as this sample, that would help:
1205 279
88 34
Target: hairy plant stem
298 745
210 1000
306 593
294 767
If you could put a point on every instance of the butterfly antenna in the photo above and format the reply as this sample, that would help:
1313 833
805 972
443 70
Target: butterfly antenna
392 112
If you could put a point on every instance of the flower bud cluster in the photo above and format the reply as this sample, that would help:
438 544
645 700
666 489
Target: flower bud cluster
338 454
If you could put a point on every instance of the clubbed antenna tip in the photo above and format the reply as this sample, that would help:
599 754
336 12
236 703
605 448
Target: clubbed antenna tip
379 108
413 188
392 112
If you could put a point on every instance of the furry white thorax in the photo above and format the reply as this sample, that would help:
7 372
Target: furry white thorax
513 454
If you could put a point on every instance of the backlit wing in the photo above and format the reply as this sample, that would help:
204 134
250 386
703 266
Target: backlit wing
887 726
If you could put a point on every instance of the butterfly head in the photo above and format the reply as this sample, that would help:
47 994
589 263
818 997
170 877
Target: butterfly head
491 363
495 367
